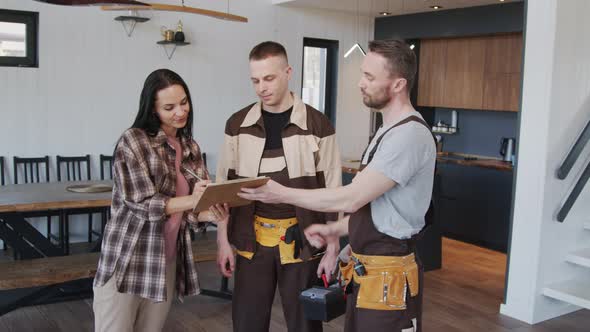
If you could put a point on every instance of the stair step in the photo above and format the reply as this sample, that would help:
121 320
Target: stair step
574 292
580 257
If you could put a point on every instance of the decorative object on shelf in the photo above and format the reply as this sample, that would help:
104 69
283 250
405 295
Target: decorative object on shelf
173 43
443 128
129 21
179 35
93 2
184 9
172 38
168 34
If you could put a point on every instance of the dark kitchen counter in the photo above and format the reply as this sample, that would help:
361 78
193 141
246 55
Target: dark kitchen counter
351 166
473 161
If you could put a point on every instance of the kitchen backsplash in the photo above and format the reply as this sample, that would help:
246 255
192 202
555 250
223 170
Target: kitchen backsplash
479 132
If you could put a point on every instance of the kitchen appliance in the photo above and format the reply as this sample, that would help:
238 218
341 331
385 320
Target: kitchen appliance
454 119
507 148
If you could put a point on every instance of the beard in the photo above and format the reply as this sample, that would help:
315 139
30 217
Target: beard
376 101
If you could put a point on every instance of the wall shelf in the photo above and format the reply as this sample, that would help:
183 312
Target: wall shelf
445 132
175 44
129 22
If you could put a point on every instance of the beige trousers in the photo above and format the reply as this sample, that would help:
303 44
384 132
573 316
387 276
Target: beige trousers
120 312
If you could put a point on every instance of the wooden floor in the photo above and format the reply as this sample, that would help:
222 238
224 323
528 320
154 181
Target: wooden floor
463 296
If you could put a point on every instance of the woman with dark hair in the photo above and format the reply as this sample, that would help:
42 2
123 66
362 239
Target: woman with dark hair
146 254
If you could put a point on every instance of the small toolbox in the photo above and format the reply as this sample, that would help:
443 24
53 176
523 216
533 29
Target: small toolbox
323 303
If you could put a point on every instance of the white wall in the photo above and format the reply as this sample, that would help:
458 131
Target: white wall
86 89
555 108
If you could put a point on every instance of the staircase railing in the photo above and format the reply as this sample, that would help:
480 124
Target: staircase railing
566 167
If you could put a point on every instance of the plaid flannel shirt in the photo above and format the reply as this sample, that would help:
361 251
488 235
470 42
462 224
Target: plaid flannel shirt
133 239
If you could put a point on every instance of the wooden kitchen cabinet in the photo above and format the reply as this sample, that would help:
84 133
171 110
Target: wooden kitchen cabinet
501 92
481 73
465 73
503 72
433 64
504 53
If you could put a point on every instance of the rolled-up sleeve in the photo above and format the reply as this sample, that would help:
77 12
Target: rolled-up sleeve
133 180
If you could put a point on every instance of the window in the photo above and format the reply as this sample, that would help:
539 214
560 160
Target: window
314 77
18 38
318 85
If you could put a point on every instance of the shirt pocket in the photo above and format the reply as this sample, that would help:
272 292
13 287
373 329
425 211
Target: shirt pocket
164 179
309 149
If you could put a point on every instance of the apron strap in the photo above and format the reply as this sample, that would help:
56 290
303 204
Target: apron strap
428 219
412 118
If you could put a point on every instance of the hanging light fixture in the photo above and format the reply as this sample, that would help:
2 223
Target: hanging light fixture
356 45
93 2
385 12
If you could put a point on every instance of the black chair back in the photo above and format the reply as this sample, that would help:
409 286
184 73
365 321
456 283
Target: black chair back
73 167
106 161
30 167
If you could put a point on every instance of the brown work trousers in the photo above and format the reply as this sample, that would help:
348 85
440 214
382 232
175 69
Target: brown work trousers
254 290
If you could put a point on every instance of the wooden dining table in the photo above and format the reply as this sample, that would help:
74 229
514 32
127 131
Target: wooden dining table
51 196
19 200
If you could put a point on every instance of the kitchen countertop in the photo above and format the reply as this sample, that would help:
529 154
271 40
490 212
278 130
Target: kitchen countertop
351 166
473 160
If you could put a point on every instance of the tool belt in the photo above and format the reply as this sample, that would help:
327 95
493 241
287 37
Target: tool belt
278 232
385 280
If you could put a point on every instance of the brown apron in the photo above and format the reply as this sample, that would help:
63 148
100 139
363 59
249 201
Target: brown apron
365 239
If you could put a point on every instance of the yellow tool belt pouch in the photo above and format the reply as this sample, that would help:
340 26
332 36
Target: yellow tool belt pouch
272 232
386 282
346 272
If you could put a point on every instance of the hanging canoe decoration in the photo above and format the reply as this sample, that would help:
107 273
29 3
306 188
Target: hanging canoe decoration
183 9
93 2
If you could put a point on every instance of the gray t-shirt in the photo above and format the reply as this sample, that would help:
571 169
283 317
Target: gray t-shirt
406 155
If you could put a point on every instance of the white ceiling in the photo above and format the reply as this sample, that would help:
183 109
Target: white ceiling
396 7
